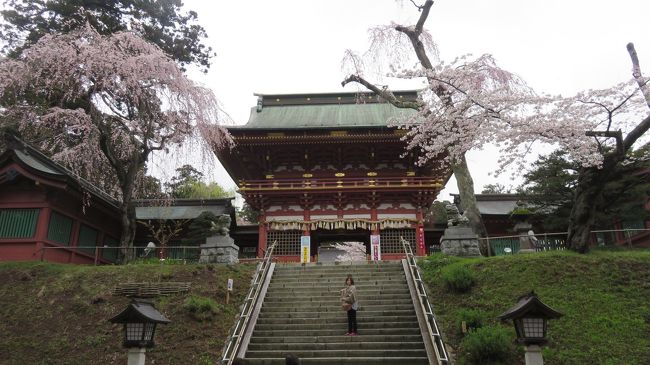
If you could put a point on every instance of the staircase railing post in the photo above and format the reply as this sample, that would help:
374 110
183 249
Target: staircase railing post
234 338
432 327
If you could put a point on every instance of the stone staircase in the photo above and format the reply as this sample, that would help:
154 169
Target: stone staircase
301 315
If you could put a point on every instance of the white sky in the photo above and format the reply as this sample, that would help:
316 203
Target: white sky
290 46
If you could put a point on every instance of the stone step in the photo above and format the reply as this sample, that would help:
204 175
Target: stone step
333 303
307 292
319 346
345 361
340 353
312 308
362 317
351 267
333 299
337 314
336 282
334 325
337 339
339 331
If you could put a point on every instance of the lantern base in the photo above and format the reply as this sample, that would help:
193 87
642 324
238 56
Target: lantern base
136 355
534 355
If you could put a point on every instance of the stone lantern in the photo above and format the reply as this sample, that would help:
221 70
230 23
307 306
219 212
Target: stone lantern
530 318
140 319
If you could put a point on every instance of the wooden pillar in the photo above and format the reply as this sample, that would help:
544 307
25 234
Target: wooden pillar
419 235
373 218
74 239
261 243
42 226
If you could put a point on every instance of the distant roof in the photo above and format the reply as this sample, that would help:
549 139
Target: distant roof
497 204
182 209
325 110
30 157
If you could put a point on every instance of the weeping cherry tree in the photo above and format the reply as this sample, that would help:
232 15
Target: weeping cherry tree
471 102
110 100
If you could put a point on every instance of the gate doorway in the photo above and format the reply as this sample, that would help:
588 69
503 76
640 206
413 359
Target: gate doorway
324 242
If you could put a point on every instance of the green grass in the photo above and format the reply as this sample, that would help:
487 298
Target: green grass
58 314
604 296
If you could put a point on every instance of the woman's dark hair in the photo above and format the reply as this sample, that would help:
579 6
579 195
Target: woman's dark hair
292 360
351 280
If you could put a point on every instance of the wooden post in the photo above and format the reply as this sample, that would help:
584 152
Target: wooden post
228 290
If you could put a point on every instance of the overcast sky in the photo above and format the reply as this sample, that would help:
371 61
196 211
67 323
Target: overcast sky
291 46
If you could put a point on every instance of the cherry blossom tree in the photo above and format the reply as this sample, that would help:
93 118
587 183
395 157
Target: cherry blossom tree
471 102
352 251
112 100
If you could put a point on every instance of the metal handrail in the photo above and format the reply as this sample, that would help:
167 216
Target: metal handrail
235 337
432 326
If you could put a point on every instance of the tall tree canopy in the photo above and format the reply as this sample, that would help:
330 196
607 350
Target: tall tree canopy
551 183
471 101
161 22
113 100
188 184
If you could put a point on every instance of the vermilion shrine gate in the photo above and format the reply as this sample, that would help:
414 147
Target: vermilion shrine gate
327 166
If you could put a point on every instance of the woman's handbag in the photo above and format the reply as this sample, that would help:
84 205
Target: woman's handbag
346 306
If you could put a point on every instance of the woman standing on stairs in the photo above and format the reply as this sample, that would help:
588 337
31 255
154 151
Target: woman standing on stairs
349 296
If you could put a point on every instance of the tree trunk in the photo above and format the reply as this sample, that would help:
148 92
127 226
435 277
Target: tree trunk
127 210
465 185
588 195
127 218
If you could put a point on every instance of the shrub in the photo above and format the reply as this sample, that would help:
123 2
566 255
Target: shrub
201 308
458 278
487 345
473 319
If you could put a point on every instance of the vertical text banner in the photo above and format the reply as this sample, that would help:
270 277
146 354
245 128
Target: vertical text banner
375 247
305 249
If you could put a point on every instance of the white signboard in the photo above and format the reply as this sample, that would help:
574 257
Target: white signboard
375 247
305 249
230 284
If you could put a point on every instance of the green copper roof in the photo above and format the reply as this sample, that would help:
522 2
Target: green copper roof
321 111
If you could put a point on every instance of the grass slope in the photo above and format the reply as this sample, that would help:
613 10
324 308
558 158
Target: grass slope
57 314
604 296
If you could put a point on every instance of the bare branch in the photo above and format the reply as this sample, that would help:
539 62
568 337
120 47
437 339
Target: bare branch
636 133
636 73
617 135
416 5
423 17
383 92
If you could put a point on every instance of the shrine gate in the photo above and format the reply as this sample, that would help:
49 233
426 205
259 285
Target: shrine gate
324 168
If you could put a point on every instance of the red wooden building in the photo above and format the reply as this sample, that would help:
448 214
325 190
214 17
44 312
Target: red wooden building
327 168
43 215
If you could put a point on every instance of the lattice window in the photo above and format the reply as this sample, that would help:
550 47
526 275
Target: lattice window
59 229
18 223
390 242
87 239
288 242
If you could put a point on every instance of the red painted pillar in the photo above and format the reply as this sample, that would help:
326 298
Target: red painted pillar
419 236
376 231
306 217
42 226
74 240
261 243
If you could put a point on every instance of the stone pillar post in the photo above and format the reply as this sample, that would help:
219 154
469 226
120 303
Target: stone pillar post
460 241
534 355
525 243
136 356
219 250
